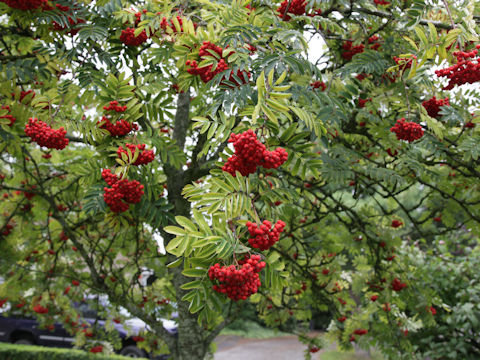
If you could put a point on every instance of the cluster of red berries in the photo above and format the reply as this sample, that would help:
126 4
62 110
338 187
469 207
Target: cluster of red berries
39 309
361 102
238 284
404 63
96 349
250 153
319 85
25 4
381 2
128 37
263 237
396 223
294 7
122 192
373 41
350 50
7 229
121 127
433 106
8 116
114 106
465 71
44 135
397 285
205 72
408 131
28 194
144 156
360 332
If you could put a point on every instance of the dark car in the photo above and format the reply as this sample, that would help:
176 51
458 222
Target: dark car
19 329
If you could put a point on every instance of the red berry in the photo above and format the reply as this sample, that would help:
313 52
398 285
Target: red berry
122 192
8 116
128 37
408 131
25 4
404 63
96 349
39 309
207 73
121 127
360 332
433 106
465 71
251 153
294 7
237 283
319 84
397 285
349 50
362 102
144 156
263 237
44 135
396 223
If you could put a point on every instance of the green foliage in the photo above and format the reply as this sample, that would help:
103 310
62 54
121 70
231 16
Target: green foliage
454 279
353 195
368 62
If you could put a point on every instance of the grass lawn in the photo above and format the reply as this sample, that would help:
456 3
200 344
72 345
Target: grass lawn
253 330
337 355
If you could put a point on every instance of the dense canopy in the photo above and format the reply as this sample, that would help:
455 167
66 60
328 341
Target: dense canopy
304 156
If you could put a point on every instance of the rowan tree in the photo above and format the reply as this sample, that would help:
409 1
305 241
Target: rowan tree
277 171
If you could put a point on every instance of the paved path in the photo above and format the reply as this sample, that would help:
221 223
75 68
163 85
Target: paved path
281 348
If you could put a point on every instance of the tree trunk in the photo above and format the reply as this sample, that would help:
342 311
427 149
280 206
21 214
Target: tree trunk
191 344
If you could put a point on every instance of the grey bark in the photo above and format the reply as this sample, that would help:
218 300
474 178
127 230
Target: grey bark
192 342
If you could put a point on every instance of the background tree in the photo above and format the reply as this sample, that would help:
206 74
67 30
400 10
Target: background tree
344 172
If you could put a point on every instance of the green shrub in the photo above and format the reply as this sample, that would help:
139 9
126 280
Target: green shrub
30 352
